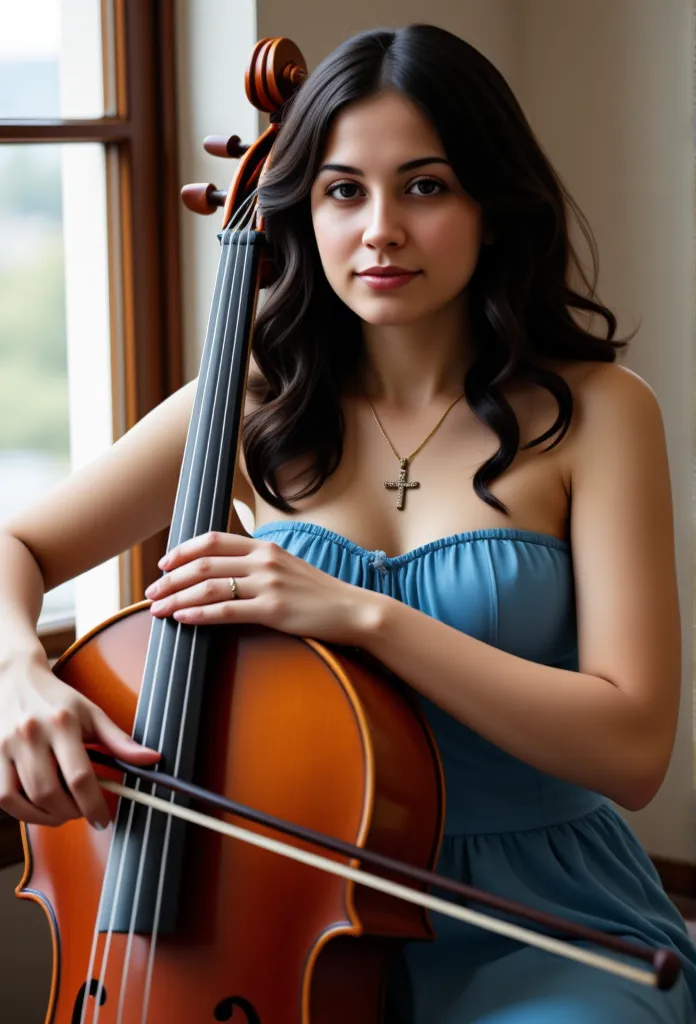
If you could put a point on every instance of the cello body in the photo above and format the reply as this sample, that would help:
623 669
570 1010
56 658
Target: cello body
297 729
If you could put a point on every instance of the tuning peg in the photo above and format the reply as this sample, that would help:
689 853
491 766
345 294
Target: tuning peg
294 74
203 198
218 145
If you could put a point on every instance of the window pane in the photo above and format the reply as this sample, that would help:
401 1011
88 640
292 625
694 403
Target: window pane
51 62
55 389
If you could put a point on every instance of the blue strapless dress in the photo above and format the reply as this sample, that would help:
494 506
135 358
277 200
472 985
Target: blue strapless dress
511 829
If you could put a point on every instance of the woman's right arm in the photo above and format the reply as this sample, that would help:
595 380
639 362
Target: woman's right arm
120 499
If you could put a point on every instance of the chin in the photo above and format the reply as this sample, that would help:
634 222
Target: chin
385 318
389 313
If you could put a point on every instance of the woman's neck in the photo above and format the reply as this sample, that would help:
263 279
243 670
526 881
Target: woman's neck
415 364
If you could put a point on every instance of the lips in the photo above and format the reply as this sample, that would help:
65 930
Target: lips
387 272
383 279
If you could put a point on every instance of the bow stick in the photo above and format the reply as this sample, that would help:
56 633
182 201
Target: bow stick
666 967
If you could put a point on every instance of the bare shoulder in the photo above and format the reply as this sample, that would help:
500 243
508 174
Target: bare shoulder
607 398
619 451
600 385
618 443
601 388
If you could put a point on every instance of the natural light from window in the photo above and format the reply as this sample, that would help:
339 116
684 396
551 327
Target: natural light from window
55 346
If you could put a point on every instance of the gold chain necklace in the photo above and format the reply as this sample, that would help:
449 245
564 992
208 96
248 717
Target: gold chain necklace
403 483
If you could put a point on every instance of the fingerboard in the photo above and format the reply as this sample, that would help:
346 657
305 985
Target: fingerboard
135 896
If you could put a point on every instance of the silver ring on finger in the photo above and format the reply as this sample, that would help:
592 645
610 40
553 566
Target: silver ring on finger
233 587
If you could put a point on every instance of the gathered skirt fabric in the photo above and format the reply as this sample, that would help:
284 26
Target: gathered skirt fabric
590 870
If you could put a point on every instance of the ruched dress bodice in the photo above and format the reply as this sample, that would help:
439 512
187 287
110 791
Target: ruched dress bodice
510 828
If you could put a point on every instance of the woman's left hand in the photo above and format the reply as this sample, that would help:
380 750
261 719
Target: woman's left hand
273 588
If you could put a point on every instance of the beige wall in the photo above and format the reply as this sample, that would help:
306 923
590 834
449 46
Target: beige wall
607 88
490 25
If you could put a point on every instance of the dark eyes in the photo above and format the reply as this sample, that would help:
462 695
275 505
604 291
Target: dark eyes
344 191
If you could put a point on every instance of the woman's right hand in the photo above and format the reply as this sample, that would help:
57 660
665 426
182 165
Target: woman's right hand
44 725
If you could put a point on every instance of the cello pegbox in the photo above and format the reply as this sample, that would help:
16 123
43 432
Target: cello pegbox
203 198
218 145
275 71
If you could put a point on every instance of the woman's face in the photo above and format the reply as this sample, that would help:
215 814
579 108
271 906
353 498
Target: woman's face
385 196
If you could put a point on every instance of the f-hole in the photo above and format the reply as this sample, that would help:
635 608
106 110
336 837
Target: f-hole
225 1010
83 995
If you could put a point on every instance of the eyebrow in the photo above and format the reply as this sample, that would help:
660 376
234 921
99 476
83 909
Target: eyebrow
410 166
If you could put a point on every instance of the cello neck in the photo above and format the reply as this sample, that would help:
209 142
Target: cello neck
169 703
204 493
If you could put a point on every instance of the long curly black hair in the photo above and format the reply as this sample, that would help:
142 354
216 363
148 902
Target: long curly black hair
307 342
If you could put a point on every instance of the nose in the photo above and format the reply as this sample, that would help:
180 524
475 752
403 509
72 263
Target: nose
384 229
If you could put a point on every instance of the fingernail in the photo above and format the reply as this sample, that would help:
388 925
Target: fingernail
97 825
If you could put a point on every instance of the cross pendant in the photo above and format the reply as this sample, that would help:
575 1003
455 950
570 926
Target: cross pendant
402 484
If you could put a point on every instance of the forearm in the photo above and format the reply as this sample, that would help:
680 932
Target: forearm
569 724
21 595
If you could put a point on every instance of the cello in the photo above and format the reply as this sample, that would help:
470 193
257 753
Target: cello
156 921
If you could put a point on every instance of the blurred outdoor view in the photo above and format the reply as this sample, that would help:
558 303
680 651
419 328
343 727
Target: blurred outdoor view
34 438
34 429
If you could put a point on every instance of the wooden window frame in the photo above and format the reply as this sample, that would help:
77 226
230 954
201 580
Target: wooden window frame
143 206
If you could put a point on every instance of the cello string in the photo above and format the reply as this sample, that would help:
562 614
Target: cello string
128 826
226 255
124 847
515 932
232 255
227 392
234 338
126 838
152 640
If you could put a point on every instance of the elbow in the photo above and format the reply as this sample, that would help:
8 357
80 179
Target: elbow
646 752
642 785
638 797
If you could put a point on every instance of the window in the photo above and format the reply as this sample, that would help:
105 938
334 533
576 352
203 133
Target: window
90 335
89 279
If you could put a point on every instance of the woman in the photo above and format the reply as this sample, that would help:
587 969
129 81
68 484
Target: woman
519 576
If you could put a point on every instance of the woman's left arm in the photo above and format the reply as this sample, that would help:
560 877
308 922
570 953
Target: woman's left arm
609 727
